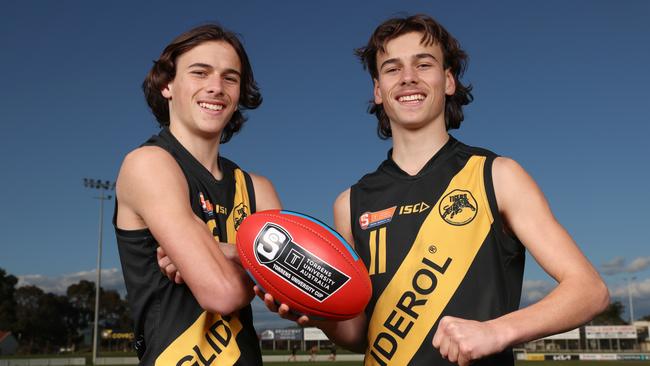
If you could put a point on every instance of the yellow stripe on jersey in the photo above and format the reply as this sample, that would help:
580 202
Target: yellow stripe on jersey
210 340
433 269
377 251
372 245
213 337
382 251
241 207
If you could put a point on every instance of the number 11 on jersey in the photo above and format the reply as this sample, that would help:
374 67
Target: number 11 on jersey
377 244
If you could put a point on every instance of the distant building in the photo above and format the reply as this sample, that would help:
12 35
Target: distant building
288 338
642 334
8 343
595 338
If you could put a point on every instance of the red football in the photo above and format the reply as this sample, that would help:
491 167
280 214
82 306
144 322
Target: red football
304 264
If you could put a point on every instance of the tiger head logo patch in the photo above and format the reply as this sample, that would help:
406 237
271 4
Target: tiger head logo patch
458 207
240 212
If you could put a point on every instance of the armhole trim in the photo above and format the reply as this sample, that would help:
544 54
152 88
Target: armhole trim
489 191
251 192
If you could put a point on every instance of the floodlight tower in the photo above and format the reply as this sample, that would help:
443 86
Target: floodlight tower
103 186
629 297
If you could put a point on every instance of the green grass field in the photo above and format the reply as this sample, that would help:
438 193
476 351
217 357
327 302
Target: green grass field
580 363
359 363
520 363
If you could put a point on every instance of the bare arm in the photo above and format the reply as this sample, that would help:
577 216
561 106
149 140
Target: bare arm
578 297
350 334
152 191
266 198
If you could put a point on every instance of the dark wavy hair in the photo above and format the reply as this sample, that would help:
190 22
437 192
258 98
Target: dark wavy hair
163 71
454 58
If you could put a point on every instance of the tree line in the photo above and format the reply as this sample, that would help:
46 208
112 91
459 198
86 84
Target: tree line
46 322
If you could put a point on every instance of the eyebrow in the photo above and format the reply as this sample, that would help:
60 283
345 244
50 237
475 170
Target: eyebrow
199 64
207 66
418 56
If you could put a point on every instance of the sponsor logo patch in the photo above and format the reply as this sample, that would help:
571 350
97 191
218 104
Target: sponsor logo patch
206 205
369 220
209 209
458 207
276 250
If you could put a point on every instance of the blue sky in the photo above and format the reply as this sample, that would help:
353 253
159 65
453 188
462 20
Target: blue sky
559 86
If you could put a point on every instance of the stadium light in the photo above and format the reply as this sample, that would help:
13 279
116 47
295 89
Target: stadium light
629 297
103 186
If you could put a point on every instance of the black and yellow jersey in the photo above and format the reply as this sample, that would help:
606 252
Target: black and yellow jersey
434 245
170 326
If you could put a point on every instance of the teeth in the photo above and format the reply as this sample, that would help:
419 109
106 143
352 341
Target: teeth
408 98
213 107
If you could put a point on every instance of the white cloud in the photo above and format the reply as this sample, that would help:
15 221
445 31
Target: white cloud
639 264
638 289
614 266
640 293
534 290
617 265
111 280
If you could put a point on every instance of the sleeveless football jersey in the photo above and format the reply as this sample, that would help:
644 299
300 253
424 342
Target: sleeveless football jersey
170 326
434 245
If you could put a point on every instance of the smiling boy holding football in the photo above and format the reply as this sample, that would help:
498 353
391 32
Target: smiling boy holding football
443 227
176 193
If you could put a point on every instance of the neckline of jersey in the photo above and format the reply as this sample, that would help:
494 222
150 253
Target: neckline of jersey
391 167
194 164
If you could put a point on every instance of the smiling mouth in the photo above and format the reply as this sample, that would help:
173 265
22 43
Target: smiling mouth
211 106
411 98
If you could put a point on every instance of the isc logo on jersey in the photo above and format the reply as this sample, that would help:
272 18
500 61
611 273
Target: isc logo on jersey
413 209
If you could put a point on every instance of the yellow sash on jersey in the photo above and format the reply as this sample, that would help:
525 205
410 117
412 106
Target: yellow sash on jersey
210 340
212 337
240 209
431 272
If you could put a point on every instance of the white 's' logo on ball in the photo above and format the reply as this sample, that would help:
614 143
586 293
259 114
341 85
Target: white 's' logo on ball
272 241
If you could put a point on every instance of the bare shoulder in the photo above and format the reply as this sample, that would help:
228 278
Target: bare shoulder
505 168
261 182
266 197
512 183
145 165
342 203
147 174
342 216
147 158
